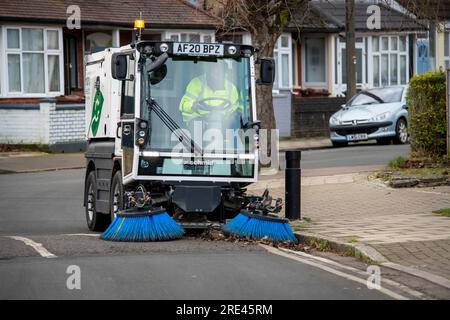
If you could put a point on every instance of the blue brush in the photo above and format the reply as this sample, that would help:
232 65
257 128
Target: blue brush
142 226
257 226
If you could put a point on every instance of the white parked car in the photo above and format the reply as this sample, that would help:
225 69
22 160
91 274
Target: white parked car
376 114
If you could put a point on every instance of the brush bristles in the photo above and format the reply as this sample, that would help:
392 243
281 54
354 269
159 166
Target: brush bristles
256 228
156 227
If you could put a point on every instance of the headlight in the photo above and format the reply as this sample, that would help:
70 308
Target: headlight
143 124
334 120
164 47
381 117
232 50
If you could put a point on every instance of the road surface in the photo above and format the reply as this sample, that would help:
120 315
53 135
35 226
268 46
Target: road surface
46 208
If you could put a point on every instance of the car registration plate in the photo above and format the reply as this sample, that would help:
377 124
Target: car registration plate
197 49
357 137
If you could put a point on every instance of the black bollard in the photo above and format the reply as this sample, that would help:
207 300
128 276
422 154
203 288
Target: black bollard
292 185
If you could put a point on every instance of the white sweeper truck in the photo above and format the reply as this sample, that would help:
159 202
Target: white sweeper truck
172 126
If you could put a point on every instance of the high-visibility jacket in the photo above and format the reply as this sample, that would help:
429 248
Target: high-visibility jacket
198 89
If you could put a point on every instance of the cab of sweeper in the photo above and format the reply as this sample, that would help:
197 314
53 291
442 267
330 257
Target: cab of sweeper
194 98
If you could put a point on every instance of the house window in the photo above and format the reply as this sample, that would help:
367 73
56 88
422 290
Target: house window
33 59
283 62
97 41
232 38
190 37
152 36
315 60
389 61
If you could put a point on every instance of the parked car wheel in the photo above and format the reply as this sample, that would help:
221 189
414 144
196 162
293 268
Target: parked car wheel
339 144
401 130
384 141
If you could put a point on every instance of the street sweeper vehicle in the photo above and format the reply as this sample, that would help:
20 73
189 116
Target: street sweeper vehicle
172 138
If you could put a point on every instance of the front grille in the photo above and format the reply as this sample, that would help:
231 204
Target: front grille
354 122
347 131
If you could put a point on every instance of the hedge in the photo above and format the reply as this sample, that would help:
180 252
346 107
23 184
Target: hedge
427 115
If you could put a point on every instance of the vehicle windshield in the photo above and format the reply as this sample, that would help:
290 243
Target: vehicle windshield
377 96
204 96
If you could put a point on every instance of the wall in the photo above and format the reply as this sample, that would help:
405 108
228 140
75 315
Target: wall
20 123
66 127
311 115
58 126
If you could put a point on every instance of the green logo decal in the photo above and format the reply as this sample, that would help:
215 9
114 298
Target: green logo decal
96 111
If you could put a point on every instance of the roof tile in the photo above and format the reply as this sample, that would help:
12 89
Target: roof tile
117 12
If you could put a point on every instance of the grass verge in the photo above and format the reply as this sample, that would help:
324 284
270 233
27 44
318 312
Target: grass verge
443 212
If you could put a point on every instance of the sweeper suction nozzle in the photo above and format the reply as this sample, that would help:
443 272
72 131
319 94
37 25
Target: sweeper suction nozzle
143 225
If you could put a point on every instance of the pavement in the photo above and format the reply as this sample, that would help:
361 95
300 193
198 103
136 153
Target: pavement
15 162
355 209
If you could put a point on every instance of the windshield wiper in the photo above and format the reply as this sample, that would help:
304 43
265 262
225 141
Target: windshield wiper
173 126
374 96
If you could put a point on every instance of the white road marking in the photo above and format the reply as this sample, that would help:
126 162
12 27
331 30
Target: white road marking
400 286
331 270
36 246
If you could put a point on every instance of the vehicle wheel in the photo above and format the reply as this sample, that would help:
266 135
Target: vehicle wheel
338 144
384 141
95 221
401 132
116 200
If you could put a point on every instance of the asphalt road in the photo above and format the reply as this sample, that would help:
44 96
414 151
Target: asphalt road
47 208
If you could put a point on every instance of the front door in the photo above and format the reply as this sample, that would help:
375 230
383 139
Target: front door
422 55
70 64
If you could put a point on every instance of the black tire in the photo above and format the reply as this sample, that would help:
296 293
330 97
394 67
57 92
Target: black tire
338 144
95 221
401 132
384 141
116 194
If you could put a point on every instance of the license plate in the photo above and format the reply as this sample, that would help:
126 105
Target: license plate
356 137
197 49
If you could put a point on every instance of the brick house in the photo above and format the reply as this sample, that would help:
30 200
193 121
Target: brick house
384 57
42 60
435 44
310 80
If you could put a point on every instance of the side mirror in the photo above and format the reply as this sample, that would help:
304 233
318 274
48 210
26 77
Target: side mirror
158 62
255 125
405 107
267 71
157 75
119 65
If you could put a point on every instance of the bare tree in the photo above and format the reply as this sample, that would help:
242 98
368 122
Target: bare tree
350 45
265 20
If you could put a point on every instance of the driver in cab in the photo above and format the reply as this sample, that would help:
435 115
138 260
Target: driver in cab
211 92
